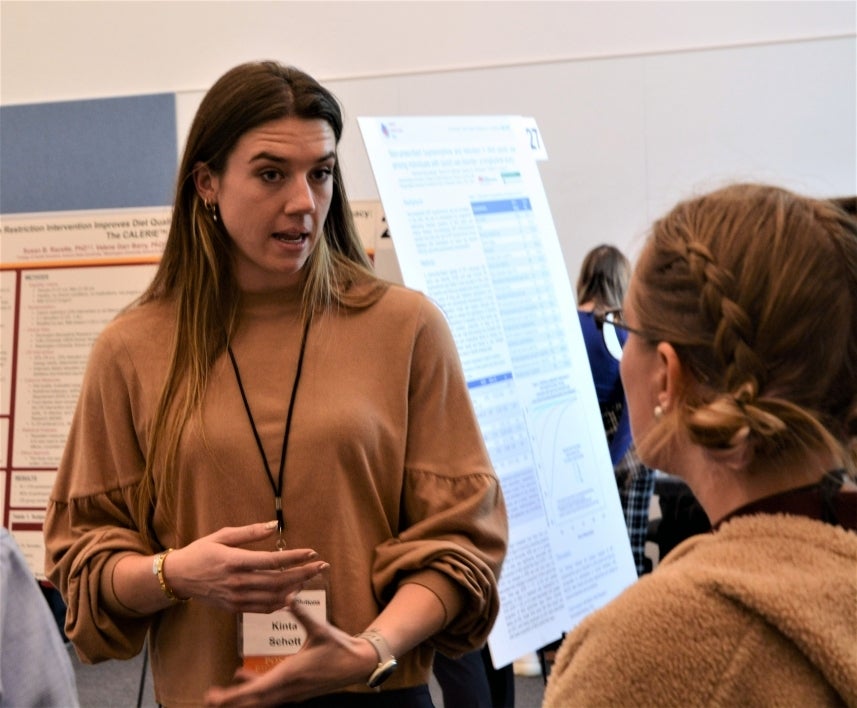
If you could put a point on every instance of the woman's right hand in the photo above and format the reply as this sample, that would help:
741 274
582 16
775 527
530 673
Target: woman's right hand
218 570
215 569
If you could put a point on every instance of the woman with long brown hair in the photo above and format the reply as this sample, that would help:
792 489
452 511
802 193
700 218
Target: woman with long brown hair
267 374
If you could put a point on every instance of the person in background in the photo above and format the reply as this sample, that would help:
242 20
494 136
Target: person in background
35 669
267 373
601 286
740 372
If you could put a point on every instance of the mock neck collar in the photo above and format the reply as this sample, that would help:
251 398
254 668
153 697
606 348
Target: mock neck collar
285 299
828 500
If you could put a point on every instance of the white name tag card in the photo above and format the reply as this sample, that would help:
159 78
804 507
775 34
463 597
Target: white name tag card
266 638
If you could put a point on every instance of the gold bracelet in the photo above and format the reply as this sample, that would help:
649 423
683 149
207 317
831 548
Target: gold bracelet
158 569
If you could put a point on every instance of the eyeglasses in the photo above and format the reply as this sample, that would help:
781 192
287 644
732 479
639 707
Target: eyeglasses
609 322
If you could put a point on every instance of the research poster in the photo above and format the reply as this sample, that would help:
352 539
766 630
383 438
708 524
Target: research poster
472 229
63 277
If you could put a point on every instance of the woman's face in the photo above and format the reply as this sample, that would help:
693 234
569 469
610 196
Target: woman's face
273 197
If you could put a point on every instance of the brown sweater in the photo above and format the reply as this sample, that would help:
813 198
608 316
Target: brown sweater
762 612
387 477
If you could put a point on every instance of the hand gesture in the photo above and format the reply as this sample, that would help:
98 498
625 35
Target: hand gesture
328 661
215 569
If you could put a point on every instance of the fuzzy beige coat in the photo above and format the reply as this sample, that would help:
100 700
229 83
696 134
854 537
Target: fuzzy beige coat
762 612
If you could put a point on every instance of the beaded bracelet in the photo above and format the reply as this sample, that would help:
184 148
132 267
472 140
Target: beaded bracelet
158 570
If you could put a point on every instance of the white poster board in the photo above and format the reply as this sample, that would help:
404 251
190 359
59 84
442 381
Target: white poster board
472 229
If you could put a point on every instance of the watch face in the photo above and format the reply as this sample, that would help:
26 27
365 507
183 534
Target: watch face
382 673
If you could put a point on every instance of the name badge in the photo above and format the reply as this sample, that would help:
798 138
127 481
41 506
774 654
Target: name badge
267 638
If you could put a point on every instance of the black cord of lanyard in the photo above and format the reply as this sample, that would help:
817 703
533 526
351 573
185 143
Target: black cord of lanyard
276 486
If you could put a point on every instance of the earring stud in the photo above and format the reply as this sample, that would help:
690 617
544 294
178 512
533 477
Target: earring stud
659 412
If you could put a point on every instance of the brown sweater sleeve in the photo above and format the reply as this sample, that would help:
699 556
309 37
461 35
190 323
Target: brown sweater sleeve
90 521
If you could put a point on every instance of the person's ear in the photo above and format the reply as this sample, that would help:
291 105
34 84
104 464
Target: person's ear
671 376
206 182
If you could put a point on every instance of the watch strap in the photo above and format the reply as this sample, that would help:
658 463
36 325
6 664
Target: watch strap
377 640
386 659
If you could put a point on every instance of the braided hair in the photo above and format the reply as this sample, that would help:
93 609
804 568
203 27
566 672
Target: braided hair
756 289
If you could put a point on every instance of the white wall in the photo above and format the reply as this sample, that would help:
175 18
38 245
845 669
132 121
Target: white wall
58 50
640 103
629 136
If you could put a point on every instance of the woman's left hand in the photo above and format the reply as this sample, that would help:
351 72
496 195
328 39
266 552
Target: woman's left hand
329 660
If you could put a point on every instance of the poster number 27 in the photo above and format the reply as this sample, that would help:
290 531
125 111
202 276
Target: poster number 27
534 139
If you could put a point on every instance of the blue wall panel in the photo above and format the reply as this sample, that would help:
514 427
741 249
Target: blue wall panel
94 154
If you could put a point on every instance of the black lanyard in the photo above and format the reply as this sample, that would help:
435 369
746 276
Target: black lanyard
278 485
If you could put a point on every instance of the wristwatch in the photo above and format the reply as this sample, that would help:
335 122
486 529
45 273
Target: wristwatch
386 661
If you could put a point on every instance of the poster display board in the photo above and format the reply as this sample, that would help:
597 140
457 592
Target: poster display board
64 277
472 229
